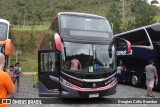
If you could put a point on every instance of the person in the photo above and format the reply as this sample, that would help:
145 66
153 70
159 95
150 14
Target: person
124 73
74 64
11 72
7 88
17 71
119 71
151 73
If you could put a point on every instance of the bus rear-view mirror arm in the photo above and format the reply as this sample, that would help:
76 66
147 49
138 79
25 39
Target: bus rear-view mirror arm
123 43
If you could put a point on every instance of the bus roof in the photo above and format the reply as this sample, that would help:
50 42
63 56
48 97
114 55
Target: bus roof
148 26
4 21
80 14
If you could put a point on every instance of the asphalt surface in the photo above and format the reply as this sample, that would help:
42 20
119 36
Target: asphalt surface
123 91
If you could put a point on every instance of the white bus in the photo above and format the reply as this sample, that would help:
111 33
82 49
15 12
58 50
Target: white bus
5 42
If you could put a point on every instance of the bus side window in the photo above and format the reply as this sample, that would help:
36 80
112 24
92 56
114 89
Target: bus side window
137 38
47 62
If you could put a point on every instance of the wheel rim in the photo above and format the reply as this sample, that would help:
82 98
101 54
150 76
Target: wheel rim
134 80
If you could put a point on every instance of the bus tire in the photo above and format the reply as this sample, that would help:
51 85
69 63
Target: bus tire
135 80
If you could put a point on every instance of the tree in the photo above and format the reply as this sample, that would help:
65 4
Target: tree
115 18
32 39
144 14
129 25
22 9
154 2
22 42
14 19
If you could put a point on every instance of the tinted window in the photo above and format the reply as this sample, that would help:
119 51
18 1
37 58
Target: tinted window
47 62
154 33
137 38
3 31
47 42
85 26
88 57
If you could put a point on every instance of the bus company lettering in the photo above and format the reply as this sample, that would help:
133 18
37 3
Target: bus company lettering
123 52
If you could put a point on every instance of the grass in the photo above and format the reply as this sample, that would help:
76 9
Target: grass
35 79
157 18
27 64
29 28
28 60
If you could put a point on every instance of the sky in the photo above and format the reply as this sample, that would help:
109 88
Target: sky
157 0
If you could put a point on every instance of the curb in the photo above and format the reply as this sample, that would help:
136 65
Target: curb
29 73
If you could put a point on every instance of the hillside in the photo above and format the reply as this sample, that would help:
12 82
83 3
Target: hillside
31 11
43 10
23 14
28 12
28 57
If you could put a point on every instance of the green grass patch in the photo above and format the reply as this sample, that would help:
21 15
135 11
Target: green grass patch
35 79
29 28
27 64
157 18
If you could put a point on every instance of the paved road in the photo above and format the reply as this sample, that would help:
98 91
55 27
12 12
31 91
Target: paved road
123 91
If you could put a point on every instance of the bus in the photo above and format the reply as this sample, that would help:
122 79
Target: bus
145 46
5 42
77 57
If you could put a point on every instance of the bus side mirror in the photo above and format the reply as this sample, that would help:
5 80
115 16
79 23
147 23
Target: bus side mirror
8 47
57 40
123 44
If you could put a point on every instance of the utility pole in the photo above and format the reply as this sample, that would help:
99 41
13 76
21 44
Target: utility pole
123 14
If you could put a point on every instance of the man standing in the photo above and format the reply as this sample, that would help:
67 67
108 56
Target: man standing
119 72
17 71
74 64
151 73
6 85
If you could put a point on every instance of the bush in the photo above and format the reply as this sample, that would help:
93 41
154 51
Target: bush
32 39
22 42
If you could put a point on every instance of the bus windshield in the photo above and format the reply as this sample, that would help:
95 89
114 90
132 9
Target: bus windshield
78 26
3 31
88 57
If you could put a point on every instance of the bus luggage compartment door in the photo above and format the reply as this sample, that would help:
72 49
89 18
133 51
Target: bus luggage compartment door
48 74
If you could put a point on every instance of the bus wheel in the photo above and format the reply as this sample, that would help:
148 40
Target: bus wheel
135 80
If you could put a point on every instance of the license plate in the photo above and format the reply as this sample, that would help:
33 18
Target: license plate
93 95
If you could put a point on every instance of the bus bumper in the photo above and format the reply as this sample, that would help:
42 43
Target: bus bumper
73 93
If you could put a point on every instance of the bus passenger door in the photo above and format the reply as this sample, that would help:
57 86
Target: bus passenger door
48 73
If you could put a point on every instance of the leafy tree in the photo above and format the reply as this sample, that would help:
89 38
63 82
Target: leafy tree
154 2
22 9
144 14
115 18
39 15
129 25
14 40
32 39
22 42
15 19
